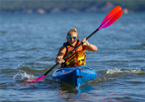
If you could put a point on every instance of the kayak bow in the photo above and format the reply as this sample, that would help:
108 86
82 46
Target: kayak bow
75 76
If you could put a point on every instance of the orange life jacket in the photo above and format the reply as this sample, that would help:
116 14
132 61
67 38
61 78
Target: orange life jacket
77 58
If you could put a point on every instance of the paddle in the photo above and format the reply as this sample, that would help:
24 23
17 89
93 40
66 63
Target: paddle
112 16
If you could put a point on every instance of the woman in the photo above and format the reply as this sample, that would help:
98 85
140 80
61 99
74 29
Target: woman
77 58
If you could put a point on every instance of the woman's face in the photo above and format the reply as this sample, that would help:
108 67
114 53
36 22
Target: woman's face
72 38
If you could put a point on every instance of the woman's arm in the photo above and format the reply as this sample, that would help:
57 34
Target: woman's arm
60 55
88 46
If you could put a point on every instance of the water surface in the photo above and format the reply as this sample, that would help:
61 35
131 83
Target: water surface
29 45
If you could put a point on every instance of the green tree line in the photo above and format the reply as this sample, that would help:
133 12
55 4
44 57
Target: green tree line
81 5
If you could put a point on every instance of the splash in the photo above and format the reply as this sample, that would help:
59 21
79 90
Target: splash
21 75
139 71
114 71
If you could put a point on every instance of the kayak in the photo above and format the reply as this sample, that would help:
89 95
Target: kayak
75 76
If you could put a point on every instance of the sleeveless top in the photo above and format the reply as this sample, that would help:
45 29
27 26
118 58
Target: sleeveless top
77 58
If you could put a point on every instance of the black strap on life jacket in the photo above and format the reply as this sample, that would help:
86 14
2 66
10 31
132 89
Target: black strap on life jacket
67 43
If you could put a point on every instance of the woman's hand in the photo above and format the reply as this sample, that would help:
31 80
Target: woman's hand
59 60
88 46
85 42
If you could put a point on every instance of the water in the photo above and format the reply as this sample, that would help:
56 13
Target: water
29 45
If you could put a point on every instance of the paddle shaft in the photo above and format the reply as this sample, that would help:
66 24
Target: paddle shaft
51 68
70 52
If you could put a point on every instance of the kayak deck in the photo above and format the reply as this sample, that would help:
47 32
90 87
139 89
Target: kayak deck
74 75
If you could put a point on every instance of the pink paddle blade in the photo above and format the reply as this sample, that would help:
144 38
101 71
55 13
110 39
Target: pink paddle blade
35 80
112 16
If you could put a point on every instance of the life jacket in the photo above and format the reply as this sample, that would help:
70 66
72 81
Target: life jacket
77 58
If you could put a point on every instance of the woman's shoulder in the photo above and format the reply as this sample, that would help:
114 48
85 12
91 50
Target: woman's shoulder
65 44
62 47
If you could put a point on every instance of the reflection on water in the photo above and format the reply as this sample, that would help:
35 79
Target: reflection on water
91 96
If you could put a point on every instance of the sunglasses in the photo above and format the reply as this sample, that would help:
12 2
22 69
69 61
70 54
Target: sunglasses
72 37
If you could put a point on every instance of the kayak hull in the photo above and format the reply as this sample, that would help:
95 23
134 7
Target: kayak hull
75 76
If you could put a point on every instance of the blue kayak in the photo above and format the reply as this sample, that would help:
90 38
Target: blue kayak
74 75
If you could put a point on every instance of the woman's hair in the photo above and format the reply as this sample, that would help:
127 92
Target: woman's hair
72 30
